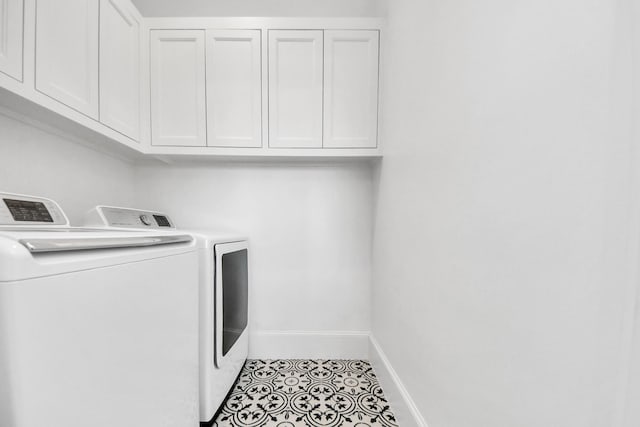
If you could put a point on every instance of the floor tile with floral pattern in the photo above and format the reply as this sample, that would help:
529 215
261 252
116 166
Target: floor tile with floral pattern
306 393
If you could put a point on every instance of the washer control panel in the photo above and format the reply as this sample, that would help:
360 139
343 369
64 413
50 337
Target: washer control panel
114 217
22 210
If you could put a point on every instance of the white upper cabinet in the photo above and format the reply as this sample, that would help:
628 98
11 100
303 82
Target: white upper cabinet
120 67
11 24
295 88
67 52
217 86
234 88
178 110
350 89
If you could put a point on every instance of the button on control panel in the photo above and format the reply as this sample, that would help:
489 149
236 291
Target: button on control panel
145 220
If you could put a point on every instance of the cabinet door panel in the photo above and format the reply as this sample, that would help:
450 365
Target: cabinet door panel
351 89
178 109
67 52
295 88
120 68
234 88
11 23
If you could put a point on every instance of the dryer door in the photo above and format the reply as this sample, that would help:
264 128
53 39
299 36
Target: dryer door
231 298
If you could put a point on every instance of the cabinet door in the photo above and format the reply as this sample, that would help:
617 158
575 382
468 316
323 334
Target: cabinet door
120 67
351 89
295 88
178 110
67 52
234 88
11 23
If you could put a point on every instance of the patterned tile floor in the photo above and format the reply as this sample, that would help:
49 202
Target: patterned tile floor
313 393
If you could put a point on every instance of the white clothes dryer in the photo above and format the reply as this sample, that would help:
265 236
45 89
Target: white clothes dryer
97 327
224 298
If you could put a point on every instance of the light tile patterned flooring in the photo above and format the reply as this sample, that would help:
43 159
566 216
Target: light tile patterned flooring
313 393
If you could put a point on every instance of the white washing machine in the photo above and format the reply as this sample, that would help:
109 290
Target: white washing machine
97 327
224 299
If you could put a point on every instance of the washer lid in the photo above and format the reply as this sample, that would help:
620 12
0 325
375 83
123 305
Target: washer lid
83 243
28 253
38 240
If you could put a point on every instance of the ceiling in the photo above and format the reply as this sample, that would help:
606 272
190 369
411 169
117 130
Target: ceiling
269 8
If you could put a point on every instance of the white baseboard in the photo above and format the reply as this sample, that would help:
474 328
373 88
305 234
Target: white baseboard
401 403
309 345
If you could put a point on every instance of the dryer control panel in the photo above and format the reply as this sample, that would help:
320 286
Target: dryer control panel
29 211
114 217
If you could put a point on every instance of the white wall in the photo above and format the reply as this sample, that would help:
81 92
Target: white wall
37 162
310 229
632 408
501 270
307 8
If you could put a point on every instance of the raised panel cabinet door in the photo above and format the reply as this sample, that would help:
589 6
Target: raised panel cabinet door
295 88
120 67
234 88
11 24
67 52
178 109
351 89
